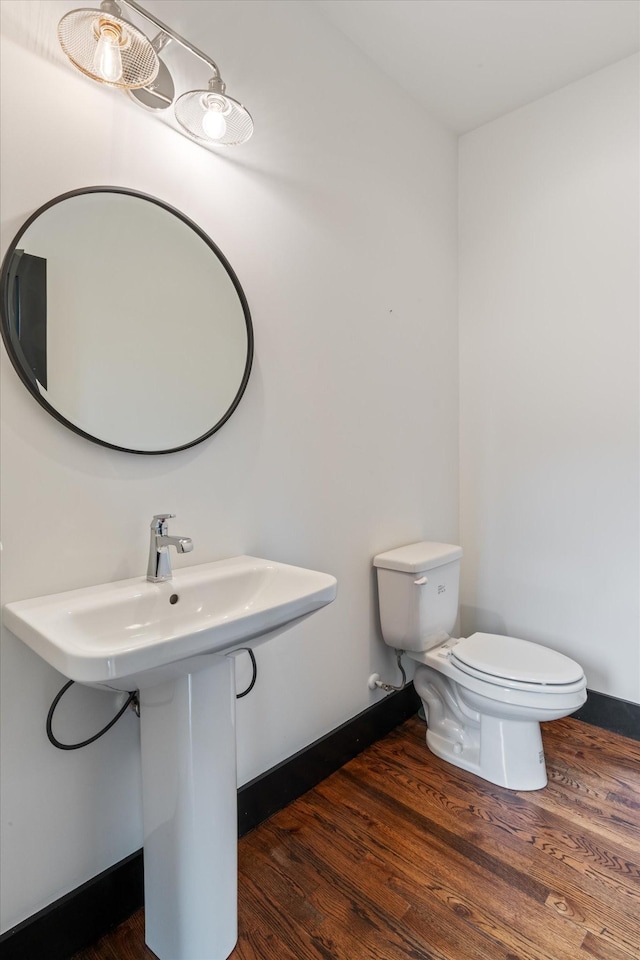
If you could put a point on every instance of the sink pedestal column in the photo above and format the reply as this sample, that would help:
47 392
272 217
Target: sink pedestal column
189 796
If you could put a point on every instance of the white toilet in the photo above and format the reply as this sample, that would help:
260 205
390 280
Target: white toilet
484 697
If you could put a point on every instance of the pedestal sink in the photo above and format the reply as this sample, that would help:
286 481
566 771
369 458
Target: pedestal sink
168 640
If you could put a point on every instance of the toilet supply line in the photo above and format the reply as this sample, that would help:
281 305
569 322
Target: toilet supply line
375 681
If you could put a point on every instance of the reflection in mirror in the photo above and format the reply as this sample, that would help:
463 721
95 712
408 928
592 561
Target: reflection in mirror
125 321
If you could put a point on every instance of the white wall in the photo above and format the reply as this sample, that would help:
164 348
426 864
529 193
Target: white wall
344 444
549 376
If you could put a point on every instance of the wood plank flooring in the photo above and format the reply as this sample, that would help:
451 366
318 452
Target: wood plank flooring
399 855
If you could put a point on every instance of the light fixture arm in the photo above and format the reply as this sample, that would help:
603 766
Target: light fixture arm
112 7
171 34
160 41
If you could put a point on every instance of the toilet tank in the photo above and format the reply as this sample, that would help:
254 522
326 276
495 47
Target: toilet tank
418 593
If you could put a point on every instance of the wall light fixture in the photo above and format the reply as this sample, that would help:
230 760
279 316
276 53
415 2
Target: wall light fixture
106 47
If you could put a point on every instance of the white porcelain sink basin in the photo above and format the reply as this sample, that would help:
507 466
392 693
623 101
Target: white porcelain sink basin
134 632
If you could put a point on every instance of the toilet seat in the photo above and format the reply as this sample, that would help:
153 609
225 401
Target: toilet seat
518 664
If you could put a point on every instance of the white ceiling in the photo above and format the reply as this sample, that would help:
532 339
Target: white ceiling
470 61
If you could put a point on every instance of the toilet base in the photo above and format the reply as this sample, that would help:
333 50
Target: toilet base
497 741
508 753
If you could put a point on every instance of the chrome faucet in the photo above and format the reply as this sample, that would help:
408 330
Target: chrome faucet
159 560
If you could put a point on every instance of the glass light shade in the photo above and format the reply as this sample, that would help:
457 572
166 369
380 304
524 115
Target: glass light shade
108 49
213 118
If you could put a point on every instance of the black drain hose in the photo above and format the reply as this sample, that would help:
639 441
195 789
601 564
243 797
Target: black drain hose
133 697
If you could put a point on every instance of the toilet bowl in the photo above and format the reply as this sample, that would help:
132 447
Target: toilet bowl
484 696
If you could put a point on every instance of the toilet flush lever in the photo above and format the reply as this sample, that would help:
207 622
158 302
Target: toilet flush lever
421 581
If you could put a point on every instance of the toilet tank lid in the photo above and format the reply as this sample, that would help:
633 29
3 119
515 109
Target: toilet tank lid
416 557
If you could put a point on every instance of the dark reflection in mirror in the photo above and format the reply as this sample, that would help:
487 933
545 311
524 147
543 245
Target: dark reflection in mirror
27 314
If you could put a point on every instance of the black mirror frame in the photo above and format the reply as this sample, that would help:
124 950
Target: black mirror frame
14 351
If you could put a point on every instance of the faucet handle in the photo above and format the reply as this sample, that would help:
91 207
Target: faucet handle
159 521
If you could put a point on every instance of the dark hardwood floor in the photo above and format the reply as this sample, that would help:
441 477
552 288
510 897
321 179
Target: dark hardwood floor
399 855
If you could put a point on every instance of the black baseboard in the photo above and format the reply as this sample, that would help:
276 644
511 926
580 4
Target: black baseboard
81 917
78 919
610 713
273 790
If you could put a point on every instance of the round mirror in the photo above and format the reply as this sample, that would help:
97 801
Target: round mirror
125 321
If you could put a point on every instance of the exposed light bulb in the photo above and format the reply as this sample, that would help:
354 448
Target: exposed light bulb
107 59
213 123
